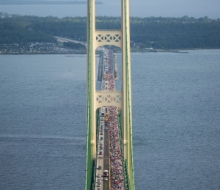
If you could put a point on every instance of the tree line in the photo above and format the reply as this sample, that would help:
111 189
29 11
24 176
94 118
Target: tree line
159 32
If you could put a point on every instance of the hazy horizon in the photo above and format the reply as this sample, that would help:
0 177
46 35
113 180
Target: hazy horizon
138 8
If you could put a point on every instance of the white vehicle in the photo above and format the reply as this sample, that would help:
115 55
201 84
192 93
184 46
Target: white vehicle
99 185
105 173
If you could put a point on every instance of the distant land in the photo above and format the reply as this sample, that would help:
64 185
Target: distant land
41 2
37 34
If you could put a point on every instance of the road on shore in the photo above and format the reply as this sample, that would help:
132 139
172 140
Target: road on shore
61 39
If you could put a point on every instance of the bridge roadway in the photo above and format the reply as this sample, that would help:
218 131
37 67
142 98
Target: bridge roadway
109 168
102 183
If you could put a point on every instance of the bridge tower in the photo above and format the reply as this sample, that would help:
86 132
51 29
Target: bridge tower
96 99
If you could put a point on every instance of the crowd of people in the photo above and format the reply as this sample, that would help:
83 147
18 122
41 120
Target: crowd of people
108 72
116 165
116 158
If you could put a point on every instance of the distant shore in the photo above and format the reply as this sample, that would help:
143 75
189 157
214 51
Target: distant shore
70 52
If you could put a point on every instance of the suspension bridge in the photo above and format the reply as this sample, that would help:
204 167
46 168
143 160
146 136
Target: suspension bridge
109 149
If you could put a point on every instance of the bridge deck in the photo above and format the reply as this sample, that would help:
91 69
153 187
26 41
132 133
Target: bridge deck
109 149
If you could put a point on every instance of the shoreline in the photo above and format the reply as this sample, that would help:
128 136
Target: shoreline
182 51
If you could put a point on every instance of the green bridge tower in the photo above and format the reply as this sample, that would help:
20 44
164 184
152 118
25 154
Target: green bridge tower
121 99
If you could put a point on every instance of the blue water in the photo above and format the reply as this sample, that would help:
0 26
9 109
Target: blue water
176 121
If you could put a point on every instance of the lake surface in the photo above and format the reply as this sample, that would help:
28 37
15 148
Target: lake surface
176 121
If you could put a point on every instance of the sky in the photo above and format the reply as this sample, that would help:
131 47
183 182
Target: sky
139 8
